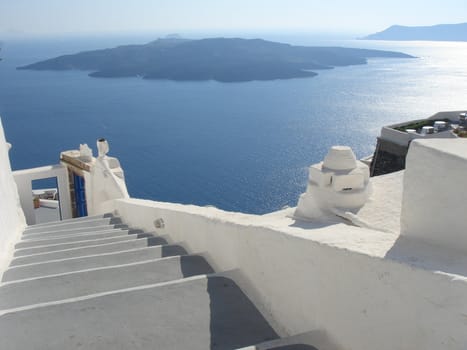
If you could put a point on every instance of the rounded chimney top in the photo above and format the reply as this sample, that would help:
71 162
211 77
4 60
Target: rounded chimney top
340 158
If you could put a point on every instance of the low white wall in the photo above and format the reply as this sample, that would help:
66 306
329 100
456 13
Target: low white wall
396 136
24 180
300 285
403 138
12 221
434 202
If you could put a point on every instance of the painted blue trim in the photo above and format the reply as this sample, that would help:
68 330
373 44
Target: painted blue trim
80 195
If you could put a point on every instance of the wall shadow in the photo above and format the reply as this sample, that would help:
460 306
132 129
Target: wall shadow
172 250
427 256
294 347
234 320
192 265
153 241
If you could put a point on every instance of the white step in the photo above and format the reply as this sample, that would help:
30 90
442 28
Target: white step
83 218
69 232
85 251
78 237
76 284
198 313
89 262
48 248
313 340
72 225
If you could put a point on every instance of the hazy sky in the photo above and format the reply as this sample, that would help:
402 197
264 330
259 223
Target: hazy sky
336 16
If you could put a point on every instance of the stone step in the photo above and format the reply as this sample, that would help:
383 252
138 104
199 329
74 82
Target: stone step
197 313
85 251
30 243
282 347
81 244
90 262
66 233
83 218
72 285
313 340
72 225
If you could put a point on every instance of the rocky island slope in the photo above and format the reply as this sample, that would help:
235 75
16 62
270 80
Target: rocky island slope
440 32
221 59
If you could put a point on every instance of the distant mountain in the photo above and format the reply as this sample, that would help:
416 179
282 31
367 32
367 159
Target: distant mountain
173 36
440 32
218 59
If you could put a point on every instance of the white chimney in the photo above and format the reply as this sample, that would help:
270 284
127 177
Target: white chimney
338 184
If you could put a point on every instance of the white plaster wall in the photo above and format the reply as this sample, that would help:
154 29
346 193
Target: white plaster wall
434 202
12 221
396 136
403 138
302 285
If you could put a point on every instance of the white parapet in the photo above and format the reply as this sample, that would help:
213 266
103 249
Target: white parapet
325 278
339 184
12 220
435 193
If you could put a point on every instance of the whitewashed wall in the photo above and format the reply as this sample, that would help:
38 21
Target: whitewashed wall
434 203
12 220
359 301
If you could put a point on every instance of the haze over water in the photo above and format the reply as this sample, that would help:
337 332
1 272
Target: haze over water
238 146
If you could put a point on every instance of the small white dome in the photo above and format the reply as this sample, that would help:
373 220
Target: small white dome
340 158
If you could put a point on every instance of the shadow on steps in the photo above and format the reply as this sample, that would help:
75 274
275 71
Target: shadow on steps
172 250
53 288
191 265
153 241
234 320
294 347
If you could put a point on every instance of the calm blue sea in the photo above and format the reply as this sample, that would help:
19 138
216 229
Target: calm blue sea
237 146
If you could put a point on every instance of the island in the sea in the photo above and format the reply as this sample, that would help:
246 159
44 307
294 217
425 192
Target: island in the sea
440 32
221 59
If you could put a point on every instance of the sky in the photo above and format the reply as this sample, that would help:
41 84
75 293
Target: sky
60 17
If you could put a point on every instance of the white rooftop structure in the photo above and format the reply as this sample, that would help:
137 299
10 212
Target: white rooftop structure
362 263
337 185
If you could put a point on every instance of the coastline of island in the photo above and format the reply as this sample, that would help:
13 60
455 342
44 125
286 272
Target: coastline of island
219 59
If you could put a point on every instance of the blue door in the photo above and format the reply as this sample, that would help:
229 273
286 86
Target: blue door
80 196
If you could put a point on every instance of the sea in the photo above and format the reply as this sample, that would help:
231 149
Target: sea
242 147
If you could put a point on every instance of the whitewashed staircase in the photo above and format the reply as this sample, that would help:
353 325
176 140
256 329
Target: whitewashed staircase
93 283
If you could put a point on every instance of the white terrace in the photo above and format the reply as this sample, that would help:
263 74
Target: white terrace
362 263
